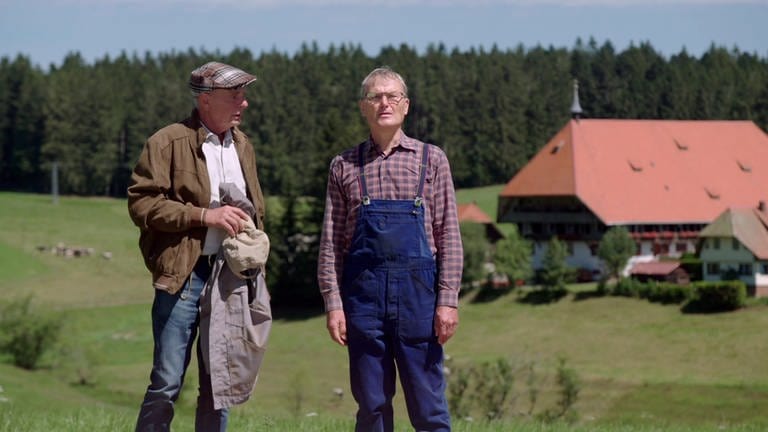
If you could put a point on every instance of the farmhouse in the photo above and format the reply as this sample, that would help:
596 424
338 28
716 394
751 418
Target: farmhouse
664 180
735 246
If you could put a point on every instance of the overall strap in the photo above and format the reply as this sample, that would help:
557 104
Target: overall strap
361 174
422 175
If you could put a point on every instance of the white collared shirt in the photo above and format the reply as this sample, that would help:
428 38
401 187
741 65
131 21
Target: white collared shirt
223 167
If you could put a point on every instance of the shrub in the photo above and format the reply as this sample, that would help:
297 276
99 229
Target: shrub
76 362
653 291
458 403
669 293
569 387
512 257
494 383
717 296
490 390
488 387
26 333
476 249
692 265
626 287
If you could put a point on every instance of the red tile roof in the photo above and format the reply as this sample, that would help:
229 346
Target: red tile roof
651 171
660 268
472 213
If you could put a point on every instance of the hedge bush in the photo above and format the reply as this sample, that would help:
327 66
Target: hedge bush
721 296
700 296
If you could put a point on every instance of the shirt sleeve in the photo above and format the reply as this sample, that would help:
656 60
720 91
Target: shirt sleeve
445 229
331 253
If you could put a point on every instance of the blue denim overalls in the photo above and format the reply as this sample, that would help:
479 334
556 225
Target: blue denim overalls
389 294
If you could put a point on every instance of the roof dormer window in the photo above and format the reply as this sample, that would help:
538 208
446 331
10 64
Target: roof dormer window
557 147
744 166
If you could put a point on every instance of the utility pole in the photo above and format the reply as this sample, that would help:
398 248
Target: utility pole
55 182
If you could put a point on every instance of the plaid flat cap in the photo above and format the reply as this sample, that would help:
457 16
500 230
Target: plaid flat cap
215 75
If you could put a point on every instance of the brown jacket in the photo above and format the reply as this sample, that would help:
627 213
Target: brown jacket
168 190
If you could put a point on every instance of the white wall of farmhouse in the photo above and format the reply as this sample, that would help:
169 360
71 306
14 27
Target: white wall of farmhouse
723 255
579 255
582 255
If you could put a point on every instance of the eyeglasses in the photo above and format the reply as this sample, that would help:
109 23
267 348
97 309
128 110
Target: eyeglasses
377 98
236 96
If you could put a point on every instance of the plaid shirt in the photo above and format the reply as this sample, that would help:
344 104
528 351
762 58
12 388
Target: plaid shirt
393 177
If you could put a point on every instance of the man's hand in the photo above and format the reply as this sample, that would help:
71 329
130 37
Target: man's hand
446 321
337 326
230 219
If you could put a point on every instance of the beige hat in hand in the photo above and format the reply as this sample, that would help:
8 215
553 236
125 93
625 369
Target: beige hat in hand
246 251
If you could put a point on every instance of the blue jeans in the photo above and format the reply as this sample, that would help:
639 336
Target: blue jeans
175 322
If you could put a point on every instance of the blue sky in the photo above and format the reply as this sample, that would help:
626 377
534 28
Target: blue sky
46 31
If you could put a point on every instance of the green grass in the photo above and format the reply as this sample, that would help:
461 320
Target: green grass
32 221
17 264
643 366
80 419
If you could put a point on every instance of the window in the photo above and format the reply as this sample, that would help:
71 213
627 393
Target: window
745 269
635 165
660 248
681 247
712 193
744 166
735 244
713 268
557 147
716 243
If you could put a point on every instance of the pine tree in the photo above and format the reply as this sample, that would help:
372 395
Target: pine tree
555 272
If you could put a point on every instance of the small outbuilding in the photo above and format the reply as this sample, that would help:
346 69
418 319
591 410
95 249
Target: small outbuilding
471 212
660 271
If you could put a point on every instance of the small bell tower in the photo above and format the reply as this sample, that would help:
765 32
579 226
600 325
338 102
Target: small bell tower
575 106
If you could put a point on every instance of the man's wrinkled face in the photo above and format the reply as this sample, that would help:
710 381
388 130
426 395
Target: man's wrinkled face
385 104
221 109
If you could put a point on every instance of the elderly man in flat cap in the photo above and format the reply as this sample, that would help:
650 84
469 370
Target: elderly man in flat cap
174 199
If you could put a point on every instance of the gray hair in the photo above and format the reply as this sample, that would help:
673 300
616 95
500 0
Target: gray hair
383 72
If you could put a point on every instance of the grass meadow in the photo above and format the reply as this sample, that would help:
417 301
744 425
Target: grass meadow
642 366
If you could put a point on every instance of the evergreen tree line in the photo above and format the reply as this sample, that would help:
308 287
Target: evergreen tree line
490 110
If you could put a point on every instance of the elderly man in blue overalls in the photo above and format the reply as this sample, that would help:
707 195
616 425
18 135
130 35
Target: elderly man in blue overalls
390 262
